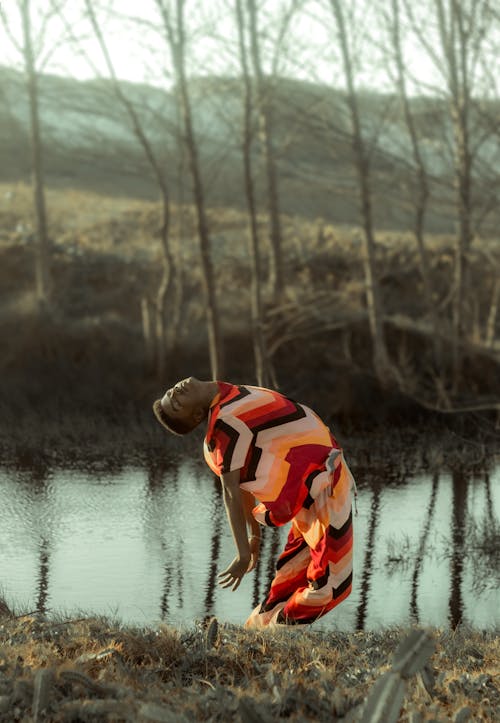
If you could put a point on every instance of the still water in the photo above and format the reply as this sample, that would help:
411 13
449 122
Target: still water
145 545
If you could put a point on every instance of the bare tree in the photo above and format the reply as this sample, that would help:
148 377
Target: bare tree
159 172
257 314
362 161
423 191
176 38
27 49
455 46
461 30
266 122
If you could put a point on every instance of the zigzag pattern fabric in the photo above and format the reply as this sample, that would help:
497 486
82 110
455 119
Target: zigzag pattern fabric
281 449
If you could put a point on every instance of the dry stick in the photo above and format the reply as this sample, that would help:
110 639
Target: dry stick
44 681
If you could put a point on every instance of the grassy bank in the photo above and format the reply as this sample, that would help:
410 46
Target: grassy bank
93 669
37 441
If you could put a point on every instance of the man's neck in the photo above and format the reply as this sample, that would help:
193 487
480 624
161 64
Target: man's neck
212 389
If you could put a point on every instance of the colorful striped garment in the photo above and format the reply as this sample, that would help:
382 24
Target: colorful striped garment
292 464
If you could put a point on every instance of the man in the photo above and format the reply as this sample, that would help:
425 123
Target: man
263 445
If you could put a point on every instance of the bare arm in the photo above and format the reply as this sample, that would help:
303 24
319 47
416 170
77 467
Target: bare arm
253 526
236 515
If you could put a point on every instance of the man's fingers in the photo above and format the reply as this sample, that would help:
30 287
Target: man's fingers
230 582
232 575
228 579
225 573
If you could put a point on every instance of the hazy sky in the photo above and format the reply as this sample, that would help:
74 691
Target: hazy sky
139 52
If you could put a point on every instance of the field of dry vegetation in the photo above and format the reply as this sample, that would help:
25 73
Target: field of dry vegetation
79 382
93 669
88 358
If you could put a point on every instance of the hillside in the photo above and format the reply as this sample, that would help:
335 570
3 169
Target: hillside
88 144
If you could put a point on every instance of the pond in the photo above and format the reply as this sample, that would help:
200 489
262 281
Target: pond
145 545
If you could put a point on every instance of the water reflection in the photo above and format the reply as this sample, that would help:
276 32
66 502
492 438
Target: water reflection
459 507
34 488
368 563
214 562
43 578
148 543
421 548
489 499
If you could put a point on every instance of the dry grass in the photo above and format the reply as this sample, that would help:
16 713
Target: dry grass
101 243
127 674
73 370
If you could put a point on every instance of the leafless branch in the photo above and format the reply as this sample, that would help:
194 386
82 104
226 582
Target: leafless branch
76 41
5 23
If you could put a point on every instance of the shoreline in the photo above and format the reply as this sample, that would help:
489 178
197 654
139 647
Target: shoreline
96 669
102 441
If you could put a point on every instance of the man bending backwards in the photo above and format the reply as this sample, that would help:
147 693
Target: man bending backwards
263 445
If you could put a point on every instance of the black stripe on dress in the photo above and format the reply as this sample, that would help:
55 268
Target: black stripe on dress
233 436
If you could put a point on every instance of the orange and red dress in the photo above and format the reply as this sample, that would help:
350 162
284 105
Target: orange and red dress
290 462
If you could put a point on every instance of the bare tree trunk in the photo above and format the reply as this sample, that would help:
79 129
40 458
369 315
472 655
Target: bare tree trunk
178 295
167 257
177 47
423 186
373 301
492 316
163 292
257 331
147 332
266 134
455 46
42 256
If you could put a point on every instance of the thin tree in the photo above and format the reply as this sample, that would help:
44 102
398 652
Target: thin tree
461 29
176 39
362 162
256 301
422 197
26 48
168 262
264 105
455 46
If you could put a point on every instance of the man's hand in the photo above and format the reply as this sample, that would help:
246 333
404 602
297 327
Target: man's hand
232 575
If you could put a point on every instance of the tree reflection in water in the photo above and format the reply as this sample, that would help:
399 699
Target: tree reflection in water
179 540
43 577
489 499
459 520
214 553
39 483
421 548
369 552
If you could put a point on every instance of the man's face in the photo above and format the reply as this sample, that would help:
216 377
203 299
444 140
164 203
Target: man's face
183 400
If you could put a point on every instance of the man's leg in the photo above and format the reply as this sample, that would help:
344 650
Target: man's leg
329 578
291 574
327 529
